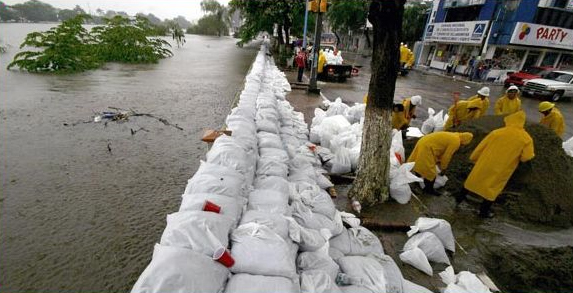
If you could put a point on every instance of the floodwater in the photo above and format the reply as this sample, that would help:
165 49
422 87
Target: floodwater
75 216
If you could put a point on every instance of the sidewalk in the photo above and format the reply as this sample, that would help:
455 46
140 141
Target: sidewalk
433 71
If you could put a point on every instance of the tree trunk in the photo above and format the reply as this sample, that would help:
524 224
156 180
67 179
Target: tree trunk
367 35
280 35
372 183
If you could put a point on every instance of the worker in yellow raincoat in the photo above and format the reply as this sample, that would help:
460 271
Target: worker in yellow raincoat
404 54
401 116
482 95
433 149
463 111
495 158
552 118
508 103
321 61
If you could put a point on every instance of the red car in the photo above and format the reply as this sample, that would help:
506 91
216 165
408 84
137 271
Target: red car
520 77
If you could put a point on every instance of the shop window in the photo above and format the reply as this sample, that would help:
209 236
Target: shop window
466 13
445 52
549 59
531 59
566 62
507 59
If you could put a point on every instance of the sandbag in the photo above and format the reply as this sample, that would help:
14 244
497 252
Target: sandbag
180 270
462 282
568 146
307 239
275 183
276 222
200 231
278 155
267 125
337 108
217 184
355 289
439 121
350 219
429 124
439 227
233 156
258 250
306 218
341 163
243 283
399 182
416 258
315 281
430 244
231 207
357 241
319 202
378 273
269 201
269 140
268 166
318 260
411 287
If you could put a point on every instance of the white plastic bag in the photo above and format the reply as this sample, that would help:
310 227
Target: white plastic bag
357 241
223 185
430 244
180 270
276 222
377 273
313 281
416 258
568 146
306 218
337 108
439 227
269 166
257 250
429 124
411 287
231 207
318 260
269 140
307 239
269 201
341 163
242 283
439 121
399 182
275 183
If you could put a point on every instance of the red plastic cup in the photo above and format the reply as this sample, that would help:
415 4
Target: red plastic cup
211 207
223 256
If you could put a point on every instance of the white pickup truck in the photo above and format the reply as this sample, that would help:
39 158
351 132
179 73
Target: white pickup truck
555 86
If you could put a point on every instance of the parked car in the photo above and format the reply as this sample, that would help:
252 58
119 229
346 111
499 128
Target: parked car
519 78
556 85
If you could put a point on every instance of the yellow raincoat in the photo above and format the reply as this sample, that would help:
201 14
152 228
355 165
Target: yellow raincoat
485 103
434 148
461 112
497 156
554 121
505 106
404 54
401 120
321 61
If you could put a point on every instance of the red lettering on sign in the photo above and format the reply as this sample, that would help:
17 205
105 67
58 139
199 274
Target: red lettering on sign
552 34
563 35
539 32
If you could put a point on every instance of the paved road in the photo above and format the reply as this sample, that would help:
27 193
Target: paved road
436 91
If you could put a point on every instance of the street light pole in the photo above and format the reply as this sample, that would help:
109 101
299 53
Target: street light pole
305 25
313 87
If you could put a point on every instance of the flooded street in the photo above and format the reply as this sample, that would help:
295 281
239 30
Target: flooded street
75 216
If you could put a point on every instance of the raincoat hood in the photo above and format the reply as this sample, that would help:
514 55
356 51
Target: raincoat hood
465 137
516 119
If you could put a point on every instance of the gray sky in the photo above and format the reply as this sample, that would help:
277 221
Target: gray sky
191 9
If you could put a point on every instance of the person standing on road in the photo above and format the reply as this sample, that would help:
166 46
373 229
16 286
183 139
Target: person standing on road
552 118
321 61
433 149
300 61
463 111
482 95
508 103
402 116
495 158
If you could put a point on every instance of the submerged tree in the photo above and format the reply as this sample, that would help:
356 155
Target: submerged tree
372 181
214 23
66 48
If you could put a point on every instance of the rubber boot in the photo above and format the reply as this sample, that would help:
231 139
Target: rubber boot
461 196
485 209
429 188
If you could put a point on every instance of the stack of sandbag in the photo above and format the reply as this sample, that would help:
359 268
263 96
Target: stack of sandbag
463 282
400 172
429 239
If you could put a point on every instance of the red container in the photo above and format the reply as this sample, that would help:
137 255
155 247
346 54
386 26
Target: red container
223 256
211 207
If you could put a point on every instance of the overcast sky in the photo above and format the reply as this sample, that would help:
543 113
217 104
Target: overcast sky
191 9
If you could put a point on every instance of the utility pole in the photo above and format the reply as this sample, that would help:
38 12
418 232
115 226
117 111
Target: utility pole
305 25
313 87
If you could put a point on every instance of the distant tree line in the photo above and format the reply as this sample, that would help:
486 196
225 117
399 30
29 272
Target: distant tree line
215 22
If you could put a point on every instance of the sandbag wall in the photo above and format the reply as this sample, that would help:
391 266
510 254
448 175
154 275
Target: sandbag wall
278 222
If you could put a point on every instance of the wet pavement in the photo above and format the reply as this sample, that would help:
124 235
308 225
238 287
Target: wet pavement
75 216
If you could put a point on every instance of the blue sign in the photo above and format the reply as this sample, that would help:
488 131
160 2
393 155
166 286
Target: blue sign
479 29
430 30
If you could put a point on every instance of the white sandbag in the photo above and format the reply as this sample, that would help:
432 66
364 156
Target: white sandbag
275 183
334 253
276 222
267 125
242 283
307 239
397 146
448 275
318 260
411 287
356 112
278 155
233 156
439 227
200 231
350 219
337 108
430 244
356 289
416 258
453 288
314 136
258 250
568 146
354 157
269 201
471 283
315 281
306 218
414 132
341 163
399 182
319 202
429 124
334 125
179 270
439 121
222 185
345 139
357 241
378 273
269 140
269 166
323 182
319 116
231 207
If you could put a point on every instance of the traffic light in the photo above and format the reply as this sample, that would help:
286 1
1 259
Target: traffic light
313 5
323 5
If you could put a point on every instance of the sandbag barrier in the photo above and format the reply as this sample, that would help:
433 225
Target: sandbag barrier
258 204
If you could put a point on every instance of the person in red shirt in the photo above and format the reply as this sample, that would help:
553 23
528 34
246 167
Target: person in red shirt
300 61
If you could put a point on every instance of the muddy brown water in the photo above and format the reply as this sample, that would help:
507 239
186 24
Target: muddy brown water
75 217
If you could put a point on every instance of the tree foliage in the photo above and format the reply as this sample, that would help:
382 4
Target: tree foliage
216 22
35 10
69 47
414 22
7 13
344 15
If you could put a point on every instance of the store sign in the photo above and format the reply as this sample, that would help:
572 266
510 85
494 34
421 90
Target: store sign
467 32
542 36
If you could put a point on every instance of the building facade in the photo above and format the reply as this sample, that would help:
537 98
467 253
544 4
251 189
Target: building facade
502 35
